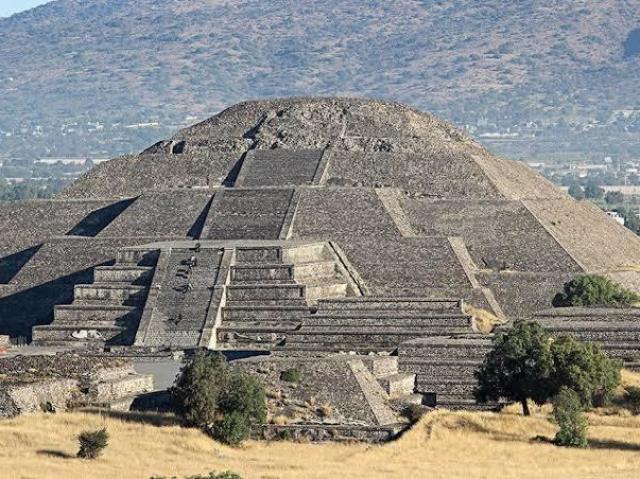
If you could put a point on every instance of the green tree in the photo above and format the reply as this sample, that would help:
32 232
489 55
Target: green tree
593 192
244 394
527 363
198 387
569 415
576 191
518 368
232 429
594 290
583 367
224 402
614 197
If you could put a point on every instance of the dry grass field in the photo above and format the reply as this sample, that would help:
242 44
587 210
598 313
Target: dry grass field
443 445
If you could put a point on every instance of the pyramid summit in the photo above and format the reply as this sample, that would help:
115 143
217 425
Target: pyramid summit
308 224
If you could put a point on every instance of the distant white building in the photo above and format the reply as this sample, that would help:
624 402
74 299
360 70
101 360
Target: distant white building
616 216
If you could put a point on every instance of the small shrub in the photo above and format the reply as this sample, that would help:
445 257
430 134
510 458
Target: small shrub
92 443
594 290
232 429
47 407
631 399
211 475
569 415
291 375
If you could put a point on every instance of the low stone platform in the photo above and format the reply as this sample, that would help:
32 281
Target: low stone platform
64 381
444 368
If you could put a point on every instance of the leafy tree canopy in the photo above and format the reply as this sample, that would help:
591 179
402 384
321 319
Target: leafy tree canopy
594 290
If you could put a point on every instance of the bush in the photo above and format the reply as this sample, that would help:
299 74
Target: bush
632 399
198 387
233 428
211 475
568 414
92 443
414 412
576 191
585 369
244 394
527 363
594 290
291 375
226 403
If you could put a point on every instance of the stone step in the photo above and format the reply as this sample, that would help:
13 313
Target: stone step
93 324
109 292
268 303
380 345
382 303
416 399
250 339
457 403
125 386
54 334
137 257
123 404
89 312
313 330
432 385
381 365
399 384
255 325
315 292
308 253
122 274
387 313
307 272
460 322
264 313
265 292
442 370
470 346
260 255
570 326
262 273
261 328
174 339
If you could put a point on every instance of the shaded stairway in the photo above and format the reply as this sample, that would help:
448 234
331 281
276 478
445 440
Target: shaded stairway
106 312
270 290
183 293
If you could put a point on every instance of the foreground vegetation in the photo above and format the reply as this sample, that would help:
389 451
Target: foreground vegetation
443 444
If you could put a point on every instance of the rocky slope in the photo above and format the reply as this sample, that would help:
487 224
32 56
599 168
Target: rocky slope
122 63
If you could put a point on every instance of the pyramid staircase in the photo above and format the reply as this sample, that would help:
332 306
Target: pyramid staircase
270 291
368 324
107 311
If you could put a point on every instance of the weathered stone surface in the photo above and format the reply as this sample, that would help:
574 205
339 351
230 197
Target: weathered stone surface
260 214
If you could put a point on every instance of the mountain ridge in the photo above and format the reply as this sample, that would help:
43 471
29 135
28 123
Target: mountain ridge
137 70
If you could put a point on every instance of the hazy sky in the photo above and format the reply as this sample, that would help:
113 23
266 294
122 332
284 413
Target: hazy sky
9 7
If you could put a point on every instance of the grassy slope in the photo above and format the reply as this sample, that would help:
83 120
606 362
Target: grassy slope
444 445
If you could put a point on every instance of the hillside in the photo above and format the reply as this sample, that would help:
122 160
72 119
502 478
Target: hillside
103 77
444 445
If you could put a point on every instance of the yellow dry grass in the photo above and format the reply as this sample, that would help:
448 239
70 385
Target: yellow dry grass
484 321
443 445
